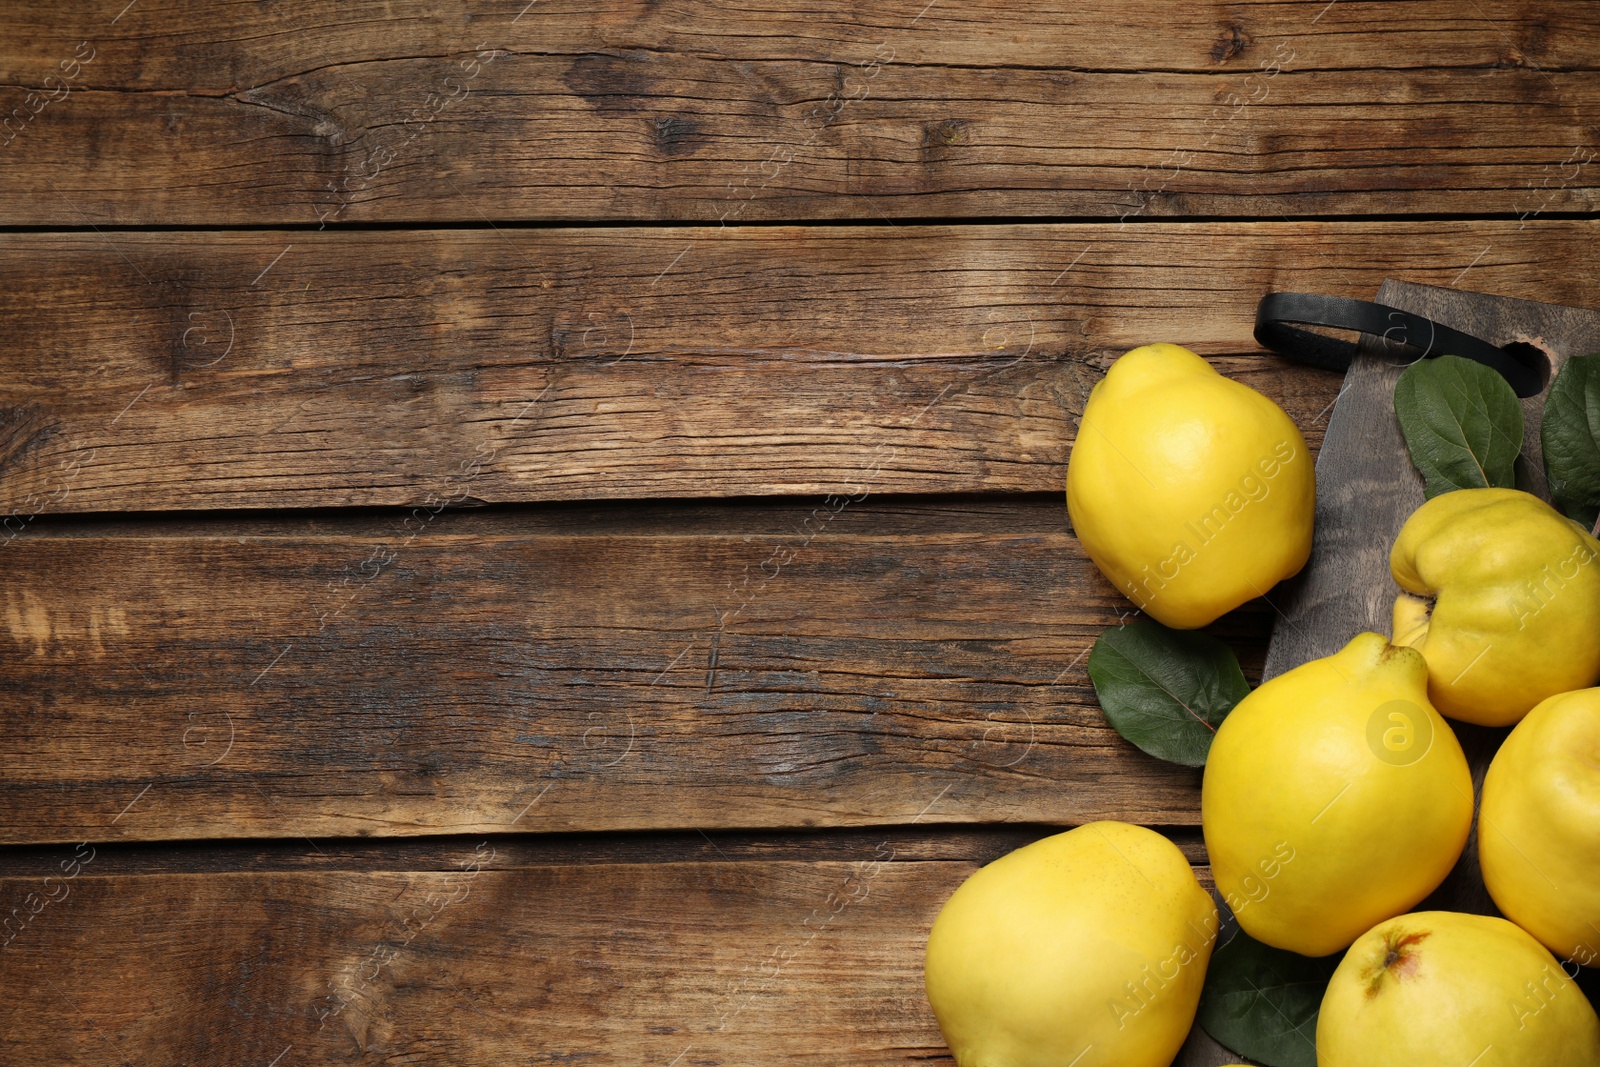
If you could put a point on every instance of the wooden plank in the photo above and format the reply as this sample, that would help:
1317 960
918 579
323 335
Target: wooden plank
171 114
687 962
153 371
849 670
227 50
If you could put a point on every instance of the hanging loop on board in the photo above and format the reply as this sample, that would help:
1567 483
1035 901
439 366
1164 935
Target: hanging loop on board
1406 336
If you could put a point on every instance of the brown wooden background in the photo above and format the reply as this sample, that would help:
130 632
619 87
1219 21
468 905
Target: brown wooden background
535 531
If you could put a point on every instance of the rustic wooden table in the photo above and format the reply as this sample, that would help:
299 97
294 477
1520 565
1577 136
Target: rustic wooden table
535 532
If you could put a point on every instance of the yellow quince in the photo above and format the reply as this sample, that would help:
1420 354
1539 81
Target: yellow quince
1443 989
1089 947
1502 597
1191 492
1539 827
1334 797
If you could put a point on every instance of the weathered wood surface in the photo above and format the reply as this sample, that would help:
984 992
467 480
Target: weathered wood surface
724 672
210 48
151 371
499 956
802 665
167 113
687 963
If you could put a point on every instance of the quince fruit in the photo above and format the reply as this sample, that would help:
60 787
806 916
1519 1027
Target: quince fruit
1088 948
1191 492
1502 596
1440 989
1539 826
1334 797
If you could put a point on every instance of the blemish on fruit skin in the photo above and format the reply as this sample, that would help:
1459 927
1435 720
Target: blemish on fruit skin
1390 651
1398 959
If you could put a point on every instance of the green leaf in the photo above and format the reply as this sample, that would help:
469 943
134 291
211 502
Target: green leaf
1571 438
1262 1002
1165 690
1462 422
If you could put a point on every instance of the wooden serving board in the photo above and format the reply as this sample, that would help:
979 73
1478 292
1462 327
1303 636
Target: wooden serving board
1366 489
1366 484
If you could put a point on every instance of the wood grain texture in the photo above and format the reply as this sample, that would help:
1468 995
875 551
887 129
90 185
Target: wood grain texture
688 962
280 113
706 963
204 47
451 675
154 371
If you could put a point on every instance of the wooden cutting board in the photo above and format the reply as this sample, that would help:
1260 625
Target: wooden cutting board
1366 489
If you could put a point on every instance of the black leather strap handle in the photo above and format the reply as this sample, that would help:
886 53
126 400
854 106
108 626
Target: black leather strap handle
1406 336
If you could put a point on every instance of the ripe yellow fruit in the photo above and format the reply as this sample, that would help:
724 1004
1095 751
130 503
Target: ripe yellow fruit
1440 989
1334 797
1088 948
1191 492
1539 827
1502 597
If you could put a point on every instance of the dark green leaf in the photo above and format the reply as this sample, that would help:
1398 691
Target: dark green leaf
1166 690
1571 437
1462 422
1262 1002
